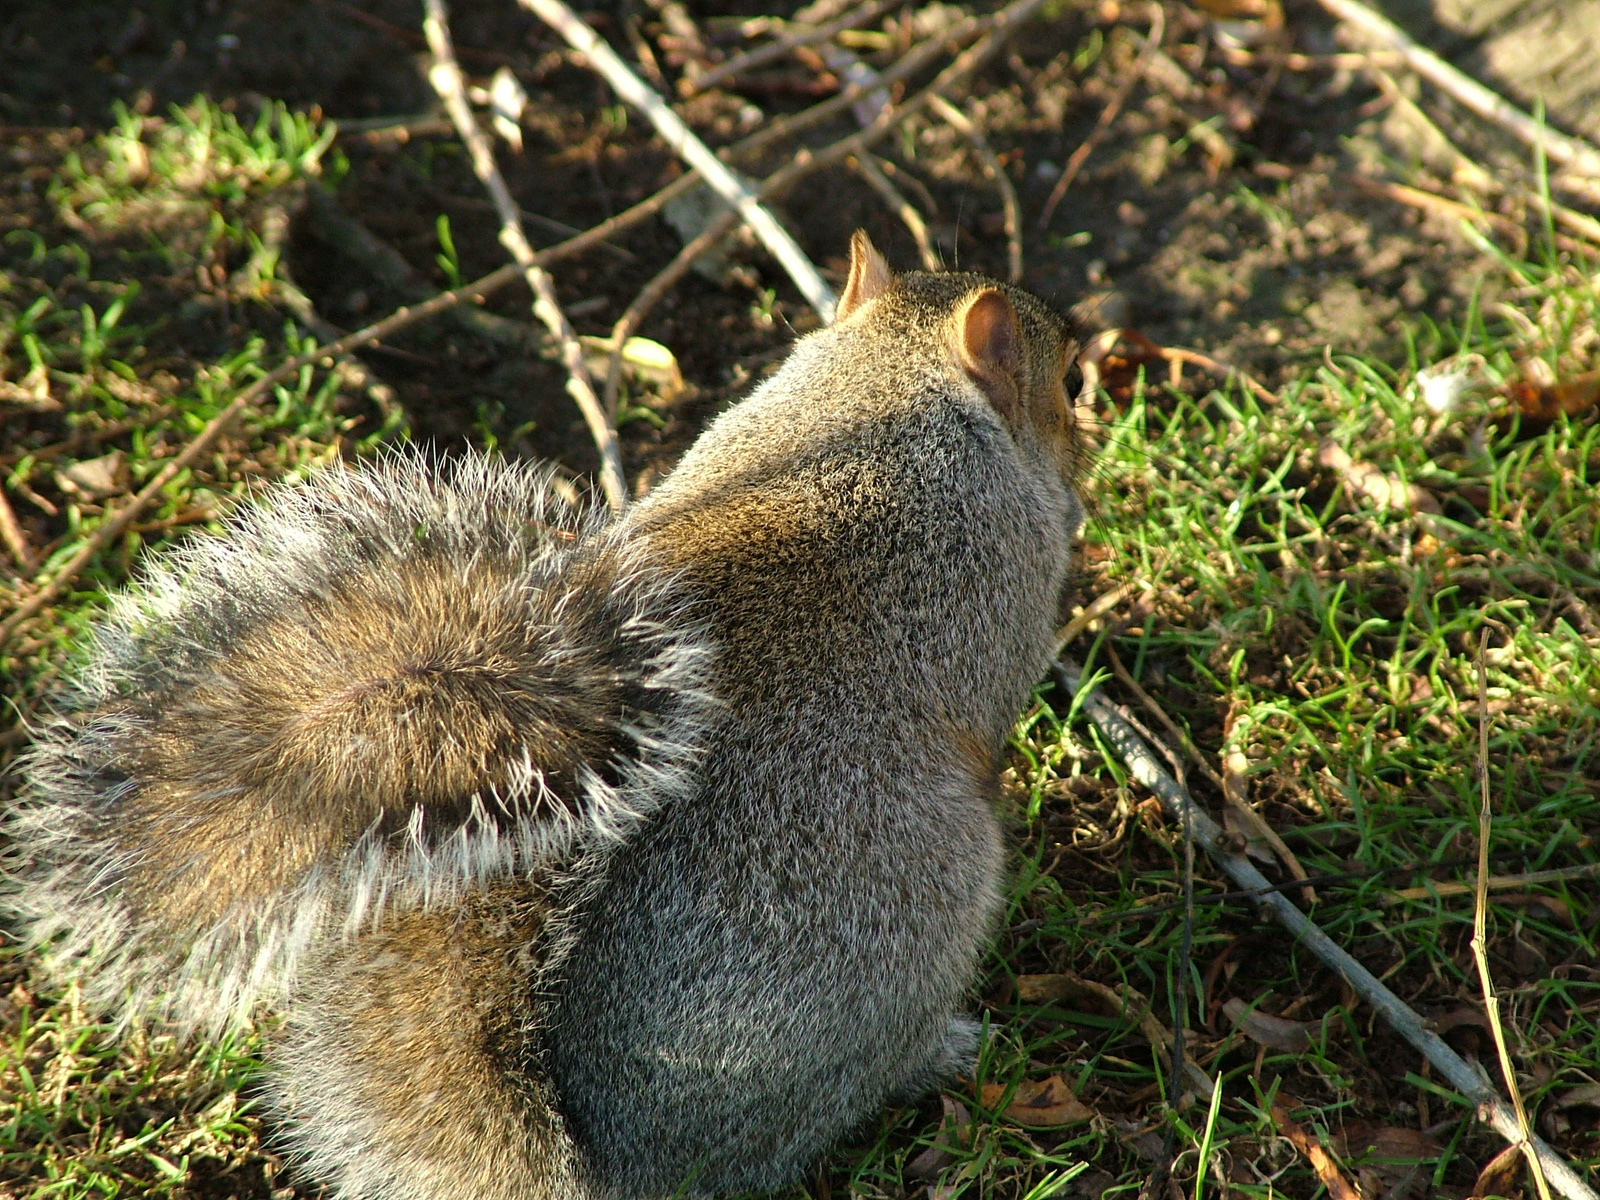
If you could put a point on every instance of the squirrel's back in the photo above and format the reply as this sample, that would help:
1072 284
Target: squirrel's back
879 538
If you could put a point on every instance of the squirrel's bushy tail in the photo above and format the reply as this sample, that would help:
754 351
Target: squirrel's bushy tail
382 688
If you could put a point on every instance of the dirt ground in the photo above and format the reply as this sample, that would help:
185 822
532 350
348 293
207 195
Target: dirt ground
1218 214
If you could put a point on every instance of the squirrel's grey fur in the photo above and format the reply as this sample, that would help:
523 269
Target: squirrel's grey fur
589 860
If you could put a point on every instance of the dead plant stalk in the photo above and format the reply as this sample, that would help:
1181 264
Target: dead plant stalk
1001 27
1461 1075
688 147
447 80
1480 926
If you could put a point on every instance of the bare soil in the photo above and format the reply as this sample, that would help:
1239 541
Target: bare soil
1217 214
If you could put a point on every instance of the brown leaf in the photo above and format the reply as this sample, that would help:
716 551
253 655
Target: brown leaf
1275 1033
1321 1162
1268 11
1390 1151
1500 1176
1547 401
1236 823
1045 989
1038 1102
96 477
1463 1014
1554 909
1588 1094
956 1131
1113 358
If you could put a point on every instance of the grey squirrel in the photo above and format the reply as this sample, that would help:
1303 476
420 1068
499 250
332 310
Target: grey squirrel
588 859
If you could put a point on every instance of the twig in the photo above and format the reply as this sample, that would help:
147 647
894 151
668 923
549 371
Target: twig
1459 1073
786 129
1496 883
1311 62
11 534
718 228
1108 114
388 129
1093 611
345 235
1575 154
1160 714
1444 206
867 166
690 148
1480 923
117 523
1127 1002
791 41
1002 25
1235 767
445 75
1000 28
684 42
992 167
1176 354
1329 879
274 237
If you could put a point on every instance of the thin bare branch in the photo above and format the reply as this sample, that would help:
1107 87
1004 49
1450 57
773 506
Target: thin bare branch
664 281
1002 26
1108 114
1573 153
690 148
867 167
445 75
1480 926
920 56
797 37
1461 1075
118 523
11 534
973 132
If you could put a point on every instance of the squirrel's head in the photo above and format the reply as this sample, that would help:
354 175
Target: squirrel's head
1005 340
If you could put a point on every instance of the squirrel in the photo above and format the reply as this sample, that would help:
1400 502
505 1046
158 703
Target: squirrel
588 858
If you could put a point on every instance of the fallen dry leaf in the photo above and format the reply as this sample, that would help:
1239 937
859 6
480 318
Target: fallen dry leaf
1275 1033
1391 1150
1246 831
1112 359
1553 909
1464 1014
1500 1176
1547 401
1314 1152
1588 1094
1369 480
1037 1102
956 1131
94 478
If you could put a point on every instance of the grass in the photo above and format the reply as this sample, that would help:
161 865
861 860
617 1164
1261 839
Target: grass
1277 613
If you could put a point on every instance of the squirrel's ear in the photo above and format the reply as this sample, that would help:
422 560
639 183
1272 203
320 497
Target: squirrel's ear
870 276
989 343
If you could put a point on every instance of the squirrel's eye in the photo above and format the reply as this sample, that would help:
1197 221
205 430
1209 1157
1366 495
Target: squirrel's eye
1072 381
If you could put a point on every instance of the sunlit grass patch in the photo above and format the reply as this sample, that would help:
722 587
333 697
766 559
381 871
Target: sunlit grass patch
129 322
1290 615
